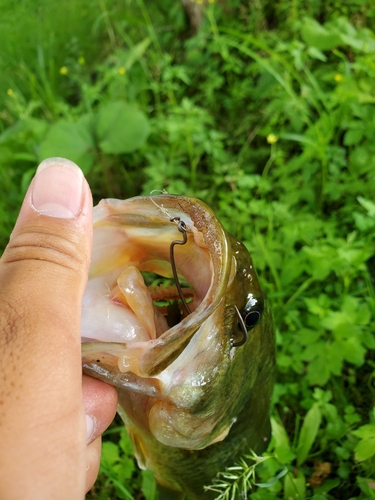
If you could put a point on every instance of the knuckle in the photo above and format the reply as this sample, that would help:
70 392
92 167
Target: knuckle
42 245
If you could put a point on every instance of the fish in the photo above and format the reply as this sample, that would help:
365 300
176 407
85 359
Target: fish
174 316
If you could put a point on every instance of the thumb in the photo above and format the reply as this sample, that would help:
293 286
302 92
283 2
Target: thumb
43 273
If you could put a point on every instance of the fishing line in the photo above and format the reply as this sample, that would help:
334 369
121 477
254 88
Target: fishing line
161 207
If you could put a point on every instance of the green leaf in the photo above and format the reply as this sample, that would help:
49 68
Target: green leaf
326 359
22 128
110 453
335 319
354 42
321 260
148 485
327 486
295 486
368 205
273 480
291 269
121 128
363 314
365 449
308 433
363 222
70 140
366 431
318 372
281 440
353 137
125 442
366 485
125 493
316 35
352 350
316 54
128 57
125 468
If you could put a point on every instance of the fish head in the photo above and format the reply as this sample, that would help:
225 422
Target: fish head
184 377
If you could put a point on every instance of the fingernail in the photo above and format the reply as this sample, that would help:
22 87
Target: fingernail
58 188
90 427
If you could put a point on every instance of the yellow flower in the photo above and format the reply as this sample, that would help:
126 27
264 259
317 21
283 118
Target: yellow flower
122 70
10 92
63 70
337 77
81 60
272 138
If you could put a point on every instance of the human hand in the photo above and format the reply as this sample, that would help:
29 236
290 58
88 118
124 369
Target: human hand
43 398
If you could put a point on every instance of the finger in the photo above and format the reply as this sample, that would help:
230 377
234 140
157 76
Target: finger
100 403
43 273
93 462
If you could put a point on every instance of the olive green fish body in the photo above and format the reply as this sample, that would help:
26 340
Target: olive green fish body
192 403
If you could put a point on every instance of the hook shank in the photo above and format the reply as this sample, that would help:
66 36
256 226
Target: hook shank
181 226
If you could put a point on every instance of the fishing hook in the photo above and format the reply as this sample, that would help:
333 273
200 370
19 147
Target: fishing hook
181 226
243 328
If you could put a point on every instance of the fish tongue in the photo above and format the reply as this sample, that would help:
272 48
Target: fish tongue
138 298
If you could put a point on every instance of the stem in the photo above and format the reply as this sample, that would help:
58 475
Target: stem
117 483
270 161
148 22
299 291
110 31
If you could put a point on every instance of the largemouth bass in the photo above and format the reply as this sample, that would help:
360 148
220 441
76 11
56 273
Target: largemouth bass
193 361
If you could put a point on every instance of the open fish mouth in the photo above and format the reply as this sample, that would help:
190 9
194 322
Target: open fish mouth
133 320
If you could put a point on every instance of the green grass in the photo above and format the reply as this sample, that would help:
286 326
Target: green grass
268 115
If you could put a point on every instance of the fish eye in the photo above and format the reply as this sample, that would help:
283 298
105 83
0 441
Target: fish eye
248 318
252 313
251 319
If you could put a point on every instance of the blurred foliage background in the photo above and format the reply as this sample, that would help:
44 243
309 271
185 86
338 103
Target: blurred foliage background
267 114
